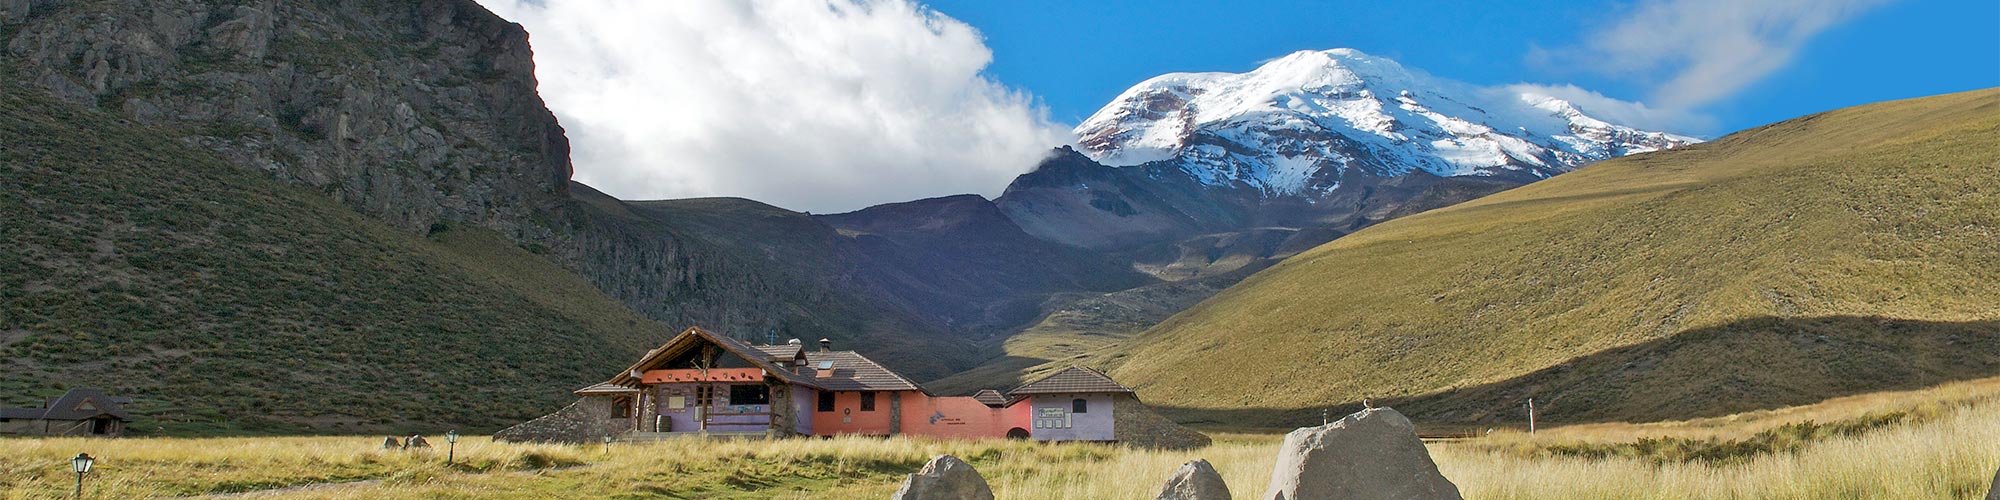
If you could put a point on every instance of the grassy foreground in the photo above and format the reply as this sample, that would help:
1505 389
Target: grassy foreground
1945 452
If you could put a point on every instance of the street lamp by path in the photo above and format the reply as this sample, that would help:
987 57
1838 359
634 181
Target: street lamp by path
81 464
451 443
607 445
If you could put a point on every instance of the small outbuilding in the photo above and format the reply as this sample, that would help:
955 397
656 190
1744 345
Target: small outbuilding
79 412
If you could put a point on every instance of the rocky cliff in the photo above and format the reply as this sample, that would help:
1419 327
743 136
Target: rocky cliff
415 113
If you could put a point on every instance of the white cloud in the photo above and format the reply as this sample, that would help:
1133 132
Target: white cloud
1702 51
822 105
1631 114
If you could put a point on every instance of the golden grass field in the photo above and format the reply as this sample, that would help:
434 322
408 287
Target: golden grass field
1951 453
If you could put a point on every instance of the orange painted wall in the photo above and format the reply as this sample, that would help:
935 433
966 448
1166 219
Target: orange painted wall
710 375
847 417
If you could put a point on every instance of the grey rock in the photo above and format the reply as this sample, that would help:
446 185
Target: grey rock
1196 480
1993 492
1373 453
257 79
944 478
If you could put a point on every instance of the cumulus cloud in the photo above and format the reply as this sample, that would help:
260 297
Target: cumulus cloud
1703 51
820 105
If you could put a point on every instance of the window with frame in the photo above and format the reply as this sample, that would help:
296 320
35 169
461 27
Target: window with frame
704 396
1079 406
756 394
826 401
867 401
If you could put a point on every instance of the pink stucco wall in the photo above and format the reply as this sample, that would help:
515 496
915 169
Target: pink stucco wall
958 417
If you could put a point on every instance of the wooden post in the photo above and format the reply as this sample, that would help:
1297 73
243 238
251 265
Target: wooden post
1531 416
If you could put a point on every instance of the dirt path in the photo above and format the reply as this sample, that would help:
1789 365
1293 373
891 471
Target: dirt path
344 485
295 489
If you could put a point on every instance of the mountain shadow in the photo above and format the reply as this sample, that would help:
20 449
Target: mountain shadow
1752 364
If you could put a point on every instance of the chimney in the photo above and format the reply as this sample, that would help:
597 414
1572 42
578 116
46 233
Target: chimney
825 345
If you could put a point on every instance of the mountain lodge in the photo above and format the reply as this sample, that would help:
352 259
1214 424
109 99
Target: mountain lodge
701 383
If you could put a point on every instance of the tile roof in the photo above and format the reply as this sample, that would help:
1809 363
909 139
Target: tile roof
781 351
854 372
77 404
990 397
1072 380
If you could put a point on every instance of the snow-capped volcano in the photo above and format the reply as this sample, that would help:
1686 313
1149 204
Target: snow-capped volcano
1298 124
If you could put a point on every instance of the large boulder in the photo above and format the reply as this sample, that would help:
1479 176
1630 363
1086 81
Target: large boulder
1993 492
945 478
1196 480
1374 453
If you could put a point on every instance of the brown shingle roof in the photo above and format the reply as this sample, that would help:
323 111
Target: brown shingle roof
854 372
782 351
1072 380
990 397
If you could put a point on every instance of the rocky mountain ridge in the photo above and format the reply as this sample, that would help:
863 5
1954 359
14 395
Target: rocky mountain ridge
1293 125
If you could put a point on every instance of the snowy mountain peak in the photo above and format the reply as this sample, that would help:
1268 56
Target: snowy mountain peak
1298 123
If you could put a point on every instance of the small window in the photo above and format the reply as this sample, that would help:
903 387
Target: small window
758 394
868 401
1079 406
621 407
825 401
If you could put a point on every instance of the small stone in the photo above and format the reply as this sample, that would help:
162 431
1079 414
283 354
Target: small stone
1374 453
1196 480
944 478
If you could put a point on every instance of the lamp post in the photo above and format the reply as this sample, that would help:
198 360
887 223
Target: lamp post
451 446
81 464
607 445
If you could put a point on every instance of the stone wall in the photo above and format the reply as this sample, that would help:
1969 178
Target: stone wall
587 420
1138 425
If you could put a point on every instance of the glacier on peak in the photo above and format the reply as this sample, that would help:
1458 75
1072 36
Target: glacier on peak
1296 124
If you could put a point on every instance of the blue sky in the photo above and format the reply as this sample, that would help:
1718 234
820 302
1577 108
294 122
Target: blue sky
835 105
1076 56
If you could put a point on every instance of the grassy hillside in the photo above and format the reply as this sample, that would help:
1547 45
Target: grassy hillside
224 301
1832 254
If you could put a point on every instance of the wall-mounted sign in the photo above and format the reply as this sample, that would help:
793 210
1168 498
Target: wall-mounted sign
1051 417
677 403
